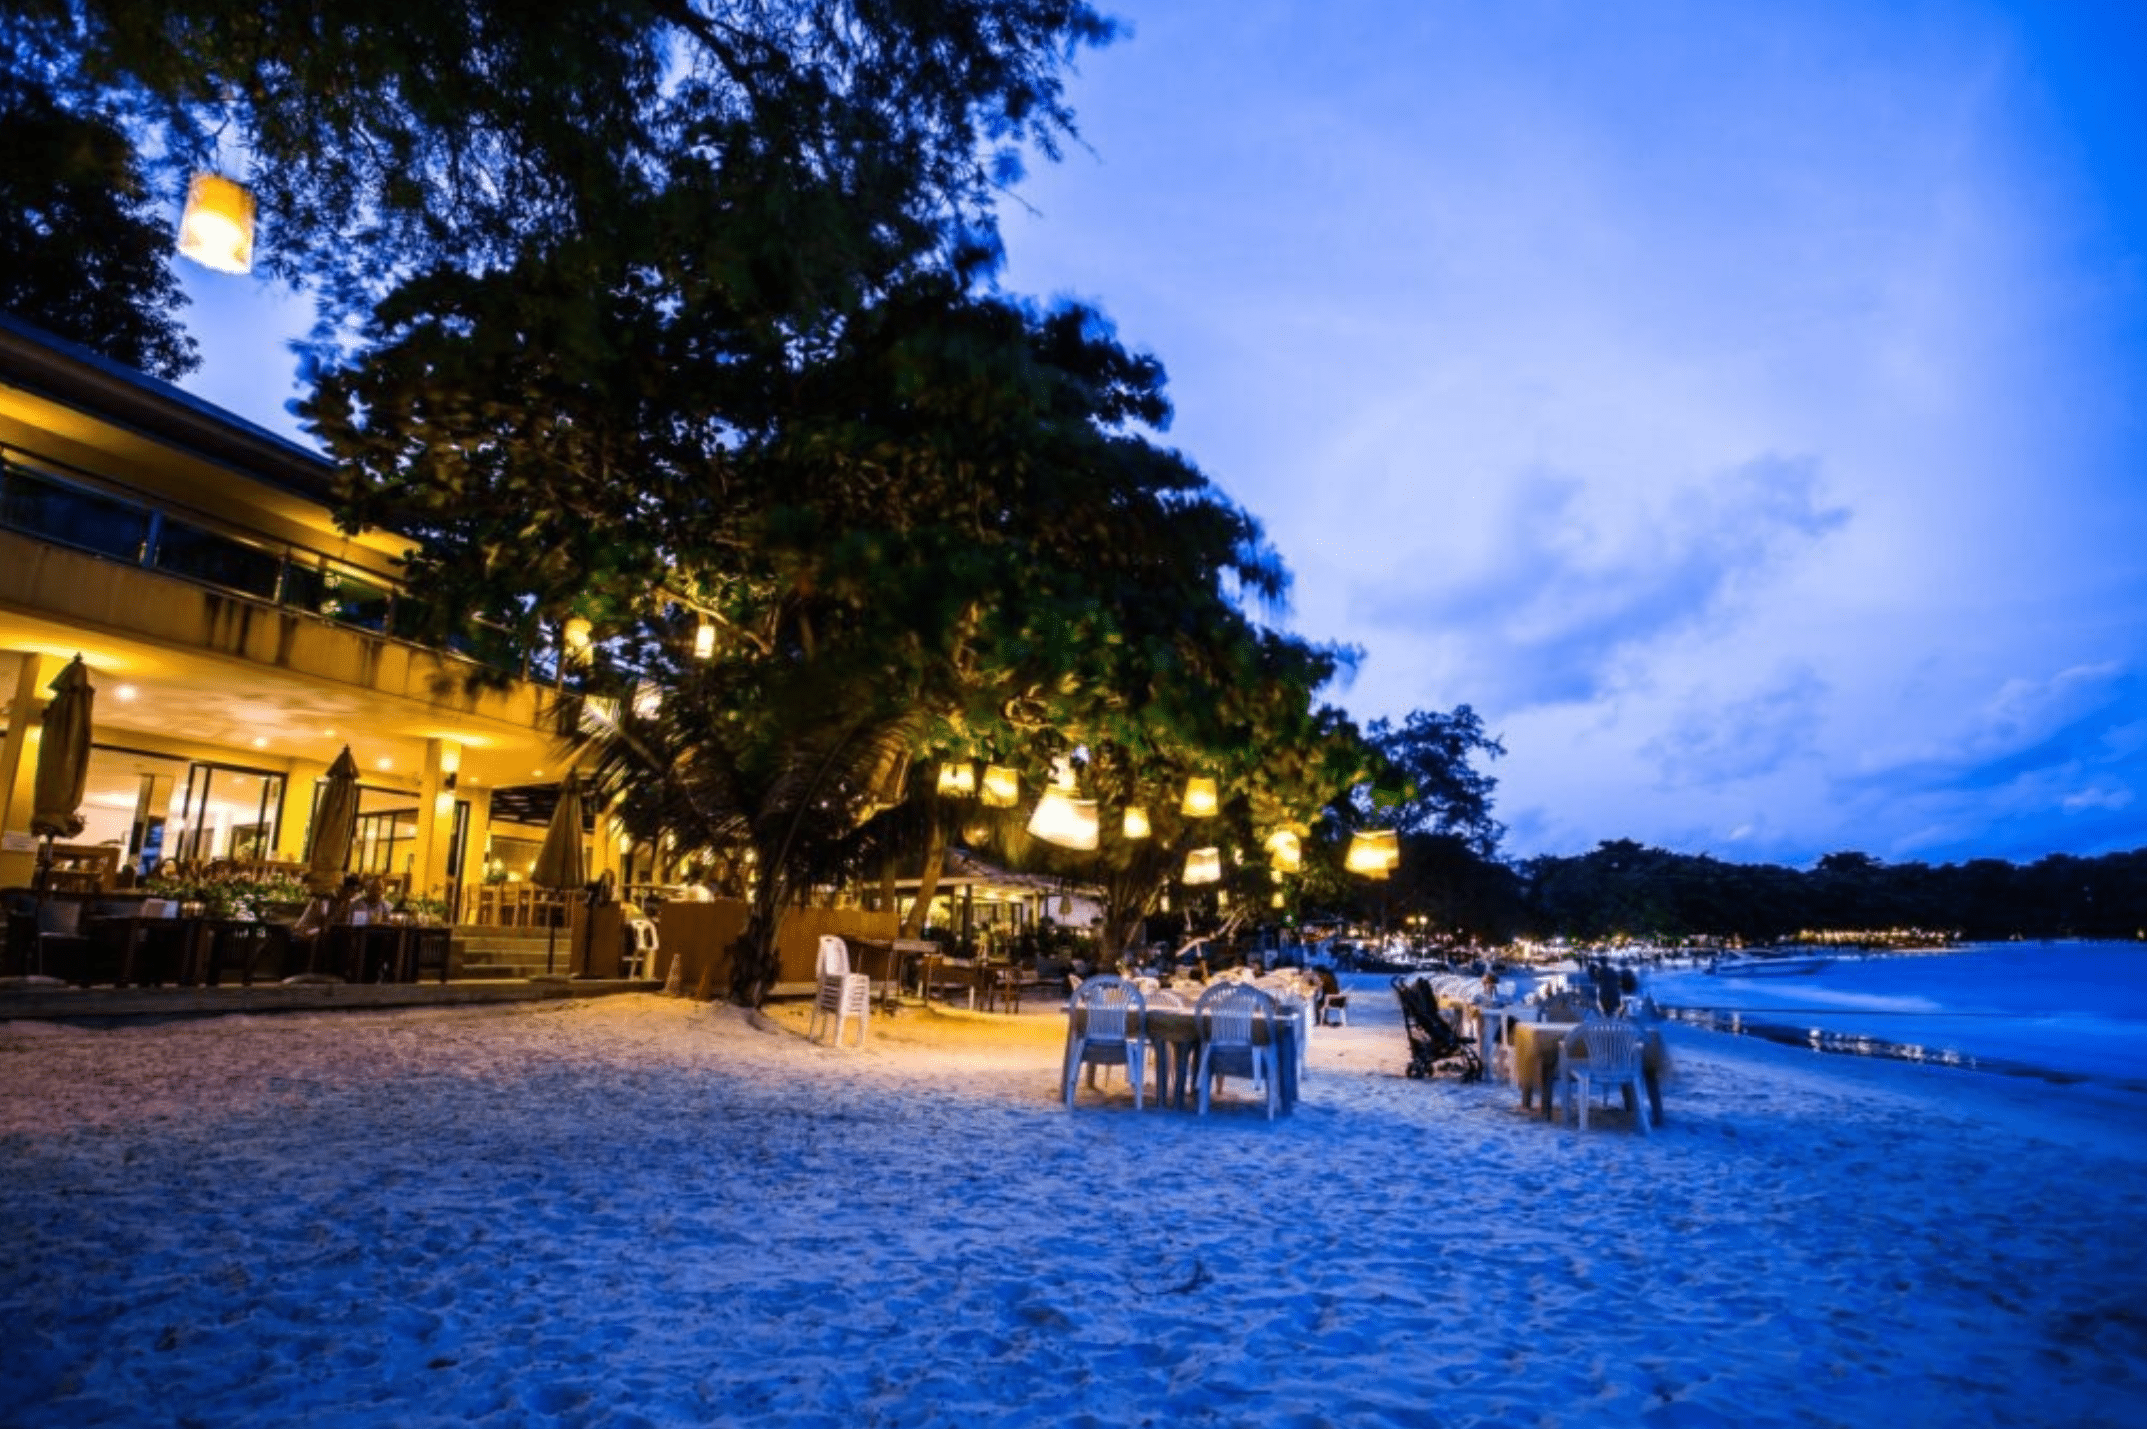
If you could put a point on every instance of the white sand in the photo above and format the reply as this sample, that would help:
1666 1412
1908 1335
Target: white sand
636 1210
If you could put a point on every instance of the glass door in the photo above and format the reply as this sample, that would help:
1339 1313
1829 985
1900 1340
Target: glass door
225 811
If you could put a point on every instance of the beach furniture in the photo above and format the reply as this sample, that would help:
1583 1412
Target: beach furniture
1227 1015
1105 1028
1333 1002
1609 1061
1433 1042
840 995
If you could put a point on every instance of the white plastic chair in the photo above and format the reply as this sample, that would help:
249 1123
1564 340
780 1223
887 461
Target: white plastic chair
1613 1063
841 995
641 951
1106 1027
1226 1015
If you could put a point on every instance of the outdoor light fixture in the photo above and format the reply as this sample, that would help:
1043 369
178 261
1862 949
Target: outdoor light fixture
1136 824
1374 853
1275 899
1062 819
576 633
704 640
1201 798
216 227
958 781
1002 787
1204 865
1285 851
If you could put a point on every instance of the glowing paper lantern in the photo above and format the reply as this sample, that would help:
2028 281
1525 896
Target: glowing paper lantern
1062 819
1136 824
1284 851
1201 798
577 632
704 640
1204 865
216 228
1374 853
1275 899
958 781
1002 787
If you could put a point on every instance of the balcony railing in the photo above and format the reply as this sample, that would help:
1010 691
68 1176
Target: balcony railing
48 501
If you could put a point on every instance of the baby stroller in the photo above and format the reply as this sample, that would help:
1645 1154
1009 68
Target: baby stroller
1433 1043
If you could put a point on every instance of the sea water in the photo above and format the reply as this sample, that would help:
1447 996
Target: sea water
2069 1011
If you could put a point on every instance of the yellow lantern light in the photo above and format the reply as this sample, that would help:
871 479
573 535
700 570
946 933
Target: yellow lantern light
958 781
1275 899
577 633
1374 853
1002 787
1062 819
1285 851
1204 865
216 228
1201 798
1136 822
704 640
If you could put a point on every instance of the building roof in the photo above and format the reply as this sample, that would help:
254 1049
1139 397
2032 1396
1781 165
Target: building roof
66 372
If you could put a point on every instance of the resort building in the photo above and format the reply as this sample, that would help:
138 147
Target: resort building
237 641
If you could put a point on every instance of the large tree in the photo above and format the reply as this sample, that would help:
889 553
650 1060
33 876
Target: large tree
84 251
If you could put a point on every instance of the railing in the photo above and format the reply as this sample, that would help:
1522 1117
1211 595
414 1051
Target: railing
50 501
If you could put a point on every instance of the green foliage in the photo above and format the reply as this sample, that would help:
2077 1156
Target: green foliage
84 253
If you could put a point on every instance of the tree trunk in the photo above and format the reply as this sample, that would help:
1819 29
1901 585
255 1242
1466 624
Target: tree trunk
935 858
755 958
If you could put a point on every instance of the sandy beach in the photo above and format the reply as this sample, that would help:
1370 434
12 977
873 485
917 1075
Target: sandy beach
640 1210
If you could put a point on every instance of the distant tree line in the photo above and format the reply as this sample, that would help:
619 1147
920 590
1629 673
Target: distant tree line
1624 888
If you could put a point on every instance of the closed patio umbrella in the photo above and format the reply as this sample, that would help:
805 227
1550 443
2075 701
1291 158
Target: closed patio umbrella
335 823
62 761
560 866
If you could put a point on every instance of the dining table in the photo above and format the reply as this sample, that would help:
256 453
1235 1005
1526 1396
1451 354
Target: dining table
1542 1051
889 963
1173 1036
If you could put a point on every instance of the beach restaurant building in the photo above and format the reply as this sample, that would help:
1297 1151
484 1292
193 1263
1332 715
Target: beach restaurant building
237 641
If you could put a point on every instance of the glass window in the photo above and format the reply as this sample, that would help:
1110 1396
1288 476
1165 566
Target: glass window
218 560
339 595
71 515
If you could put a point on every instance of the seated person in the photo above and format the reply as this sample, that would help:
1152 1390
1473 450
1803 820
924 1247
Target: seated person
371 905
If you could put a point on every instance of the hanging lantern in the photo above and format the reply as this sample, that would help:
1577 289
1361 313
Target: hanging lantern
216 228
1201 798
1275 899
1002 787
1062 819
576 633
1136 824
648 701
958 781
1204 865
704 640
1285 851
1374 853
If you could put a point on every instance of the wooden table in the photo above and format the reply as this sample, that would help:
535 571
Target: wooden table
171 941
887 962
1540 1048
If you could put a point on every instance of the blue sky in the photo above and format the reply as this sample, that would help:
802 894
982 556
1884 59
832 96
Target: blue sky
1738 405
